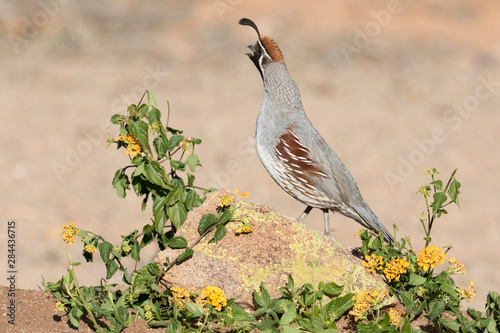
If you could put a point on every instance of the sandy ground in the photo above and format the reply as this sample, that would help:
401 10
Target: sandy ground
394 86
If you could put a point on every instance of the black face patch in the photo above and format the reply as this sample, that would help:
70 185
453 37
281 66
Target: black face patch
259 56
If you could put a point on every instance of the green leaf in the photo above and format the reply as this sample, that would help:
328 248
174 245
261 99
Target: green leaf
178 165
268 325
139 129
151 99
178 243
161 146
436 308
135 250
111 268
406 328
451 324
193 161
121 183
206 221
174 142
454 191
140 170
188 253
450 290
264 298
241 315
154 173
195 309
439 199
143 110
225 216
74 318
105 249
177 214
315 324
174 196
191 199
332 289
289 329
438 184
220 232
289 315
154 115
117 119
417 280
153 269
159 213
474 314
191 179
377 243
338 306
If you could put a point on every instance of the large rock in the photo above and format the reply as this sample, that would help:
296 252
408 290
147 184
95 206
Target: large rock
277 247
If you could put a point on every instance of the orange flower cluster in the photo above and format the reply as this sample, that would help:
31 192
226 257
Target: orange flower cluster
133 148
429 257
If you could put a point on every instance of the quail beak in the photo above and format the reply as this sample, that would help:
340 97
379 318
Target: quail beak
252 48
255 58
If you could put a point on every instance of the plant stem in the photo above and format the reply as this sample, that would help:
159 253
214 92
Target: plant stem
429 220
73 278
449 180
209 229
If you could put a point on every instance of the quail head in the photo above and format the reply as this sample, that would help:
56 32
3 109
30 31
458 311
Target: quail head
292 150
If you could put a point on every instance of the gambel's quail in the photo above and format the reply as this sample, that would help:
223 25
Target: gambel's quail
292 150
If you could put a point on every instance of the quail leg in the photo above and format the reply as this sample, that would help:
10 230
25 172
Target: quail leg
303 216
327 223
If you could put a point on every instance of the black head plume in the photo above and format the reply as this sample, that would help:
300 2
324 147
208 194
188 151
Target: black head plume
250 23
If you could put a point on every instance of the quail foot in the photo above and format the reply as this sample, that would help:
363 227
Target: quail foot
292 150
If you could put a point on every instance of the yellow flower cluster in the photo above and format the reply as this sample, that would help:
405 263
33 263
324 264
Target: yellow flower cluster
431 172
213 296
225 200
186 145
456 267
59 306
148 314
364 301
133 148
373 263
69 233
424 190
469 293
244 194
245 229
179 296
126 248
90 249
430 257
395 316
395 268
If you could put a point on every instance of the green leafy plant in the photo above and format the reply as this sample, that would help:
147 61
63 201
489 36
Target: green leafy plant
161 172
411 276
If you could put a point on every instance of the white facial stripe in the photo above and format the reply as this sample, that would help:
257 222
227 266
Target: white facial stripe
263 48
262 57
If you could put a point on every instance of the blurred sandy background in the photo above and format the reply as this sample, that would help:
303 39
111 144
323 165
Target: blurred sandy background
377 78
